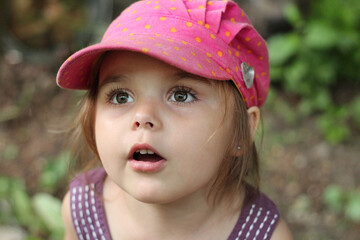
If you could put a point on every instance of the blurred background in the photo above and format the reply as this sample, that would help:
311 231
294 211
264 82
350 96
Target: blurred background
310 152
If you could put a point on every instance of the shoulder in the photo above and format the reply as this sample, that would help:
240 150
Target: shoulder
281 232
95 176
66 215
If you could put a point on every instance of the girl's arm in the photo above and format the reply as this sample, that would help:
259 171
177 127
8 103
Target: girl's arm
281 232
66 215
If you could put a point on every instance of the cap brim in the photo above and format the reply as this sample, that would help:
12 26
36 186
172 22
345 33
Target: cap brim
75 72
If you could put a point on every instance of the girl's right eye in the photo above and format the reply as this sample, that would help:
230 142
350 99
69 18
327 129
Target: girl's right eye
120 97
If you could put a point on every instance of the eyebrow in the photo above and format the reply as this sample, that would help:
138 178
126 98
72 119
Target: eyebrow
185 75
112 79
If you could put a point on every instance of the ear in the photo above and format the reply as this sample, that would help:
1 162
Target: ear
254 119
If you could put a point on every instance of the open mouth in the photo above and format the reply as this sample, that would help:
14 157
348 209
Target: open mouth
146 155
144 158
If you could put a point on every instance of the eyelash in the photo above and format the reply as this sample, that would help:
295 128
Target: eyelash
184 89
111 93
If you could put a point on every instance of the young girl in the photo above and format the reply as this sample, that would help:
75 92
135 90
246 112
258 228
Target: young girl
174 90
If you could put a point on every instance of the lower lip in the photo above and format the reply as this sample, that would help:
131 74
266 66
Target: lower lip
147 166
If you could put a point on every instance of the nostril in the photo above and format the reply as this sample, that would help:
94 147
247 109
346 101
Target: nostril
137 124
151 124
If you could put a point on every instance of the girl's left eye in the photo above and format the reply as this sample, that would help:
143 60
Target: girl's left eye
120 97
182 96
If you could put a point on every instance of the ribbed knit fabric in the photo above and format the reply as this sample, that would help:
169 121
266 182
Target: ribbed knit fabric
257 220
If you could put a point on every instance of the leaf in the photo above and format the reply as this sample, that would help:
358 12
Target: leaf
282 48
293 15
352 207
319 35
48 208
21 203
333 198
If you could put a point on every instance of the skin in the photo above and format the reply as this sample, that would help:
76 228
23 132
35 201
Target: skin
191 135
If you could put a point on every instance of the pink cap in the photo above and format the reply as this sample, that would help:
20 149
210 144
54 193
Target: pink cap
212 39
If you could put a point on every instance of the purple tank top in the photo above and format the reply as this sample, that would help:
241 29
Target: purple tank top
257 220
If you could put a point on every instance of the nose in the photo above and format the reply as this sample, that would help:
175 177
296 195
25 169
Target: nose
147 115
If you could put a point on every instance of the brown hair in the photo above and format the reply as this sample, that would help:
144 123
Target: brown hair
235 172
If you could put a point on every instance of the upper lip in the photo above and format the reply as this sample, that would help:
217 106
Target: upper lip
140 146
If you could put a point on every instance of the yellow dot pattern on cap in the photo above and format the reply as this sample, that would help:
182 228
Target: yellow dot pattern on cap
173 8
184 42
227 33
173 30
207 26
156 7
147 26
133 12
165 53
263 74
145 50
247 39
228 70
210 3
158 44
124 29
198 39
208 60
236 68
184 59
199 65
232 20
261 58
189 24
237 54
238 47
176 48
138 19
229 51
162 18
208 54
201 7
148 2
220 53
200 22
192 53
213 73
212 36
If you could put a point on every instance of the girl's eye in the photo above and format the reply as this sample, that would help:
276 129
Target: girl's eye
183 96
121 98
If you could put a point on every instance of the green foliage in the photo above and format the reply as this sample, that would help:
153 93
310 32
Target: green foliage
320 54
40 214
342 202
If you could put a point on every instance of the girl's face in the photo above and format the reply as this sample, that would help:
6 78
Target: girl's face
146 105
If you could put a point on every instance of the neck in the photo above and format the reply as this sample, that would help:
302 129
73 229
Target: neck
191 217
186 218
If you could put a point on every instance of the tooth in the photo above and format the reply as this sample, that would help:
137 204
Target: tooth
150 152
138 151
143 151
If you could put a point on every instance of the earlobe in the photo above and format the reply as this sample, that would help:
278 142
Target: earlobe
254 119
